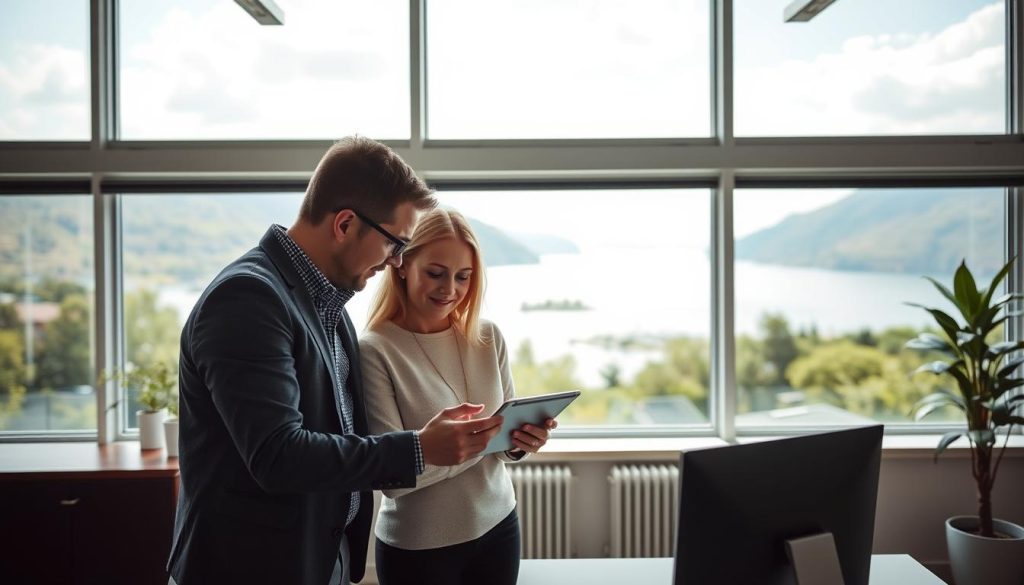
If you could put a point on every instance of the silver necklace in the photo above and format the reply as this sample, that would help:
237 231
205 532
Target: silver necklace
462 365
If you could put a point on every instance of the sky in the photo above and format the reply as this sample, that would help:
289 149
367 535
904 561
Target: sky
203 69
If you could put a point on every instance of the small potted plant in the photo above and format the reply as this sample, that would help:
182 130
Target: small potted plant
156 384
171 424
982 550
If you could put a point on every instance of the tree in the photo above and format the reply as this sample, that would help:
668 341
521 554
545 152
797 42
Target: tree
12 375
684 372
9 317
611 374
779 347
532 377
750 363
55 291
151 332
65 355
836 364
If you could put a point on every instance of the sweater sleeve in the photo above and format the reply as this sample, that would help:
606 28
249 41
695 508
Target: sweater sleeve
384 415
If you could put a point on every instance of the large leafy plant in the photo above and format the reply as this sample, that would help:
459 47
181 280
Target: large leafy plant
985 375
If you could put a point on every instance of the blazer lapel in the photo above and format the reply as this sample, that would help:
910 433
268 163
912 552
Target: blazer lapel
286 267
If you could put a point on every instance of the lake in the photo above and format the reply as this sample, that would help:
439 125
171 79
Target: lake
655 293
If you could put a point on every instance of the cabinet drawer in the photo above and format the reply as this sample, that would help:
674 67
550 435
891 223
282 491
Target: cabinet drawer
115 530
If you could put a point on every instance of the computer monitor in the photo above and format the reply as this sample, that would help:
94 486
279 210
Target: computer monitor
740 504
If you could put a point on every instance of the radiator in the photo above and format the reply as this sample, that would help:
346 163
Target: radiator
542 500
644 510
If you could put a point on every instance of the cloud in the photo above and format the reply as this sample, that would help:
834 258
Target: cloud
44 93
948 82
568 68
211 105
286 63
332 69
52 73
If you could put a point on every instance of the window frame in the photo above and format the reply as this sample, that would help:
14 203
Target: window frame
110 167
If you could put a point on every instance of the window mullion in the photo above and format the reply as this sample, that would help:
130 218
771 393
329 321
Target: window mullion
723 347
722 72
417 72
105 306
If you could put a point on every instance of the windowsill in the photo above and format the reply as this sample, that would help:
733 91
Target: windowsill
631 448
84 456
84 460
668 448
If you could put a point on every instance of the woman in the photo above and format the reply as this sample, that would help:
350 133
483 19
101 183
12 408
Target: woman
427 349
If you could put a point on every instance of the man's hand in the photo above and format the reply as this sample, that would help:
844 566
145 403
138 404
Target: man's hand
454 436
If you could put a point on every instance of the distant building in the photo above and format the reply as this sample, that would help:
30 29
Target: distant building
667 410
38 314
807 415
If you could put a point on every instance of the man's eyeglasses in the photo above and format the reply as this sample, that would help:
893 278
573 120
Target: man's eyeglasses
397 244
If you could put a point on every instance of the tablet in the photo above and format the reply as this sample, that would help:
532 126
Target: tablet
532 410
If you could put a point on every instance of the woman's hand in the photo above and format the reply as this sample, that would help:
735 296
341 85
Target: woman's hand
530 438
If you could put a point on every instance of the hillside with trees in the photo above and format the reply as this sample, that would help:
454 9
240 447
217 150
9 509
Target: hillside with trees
167 239
880 230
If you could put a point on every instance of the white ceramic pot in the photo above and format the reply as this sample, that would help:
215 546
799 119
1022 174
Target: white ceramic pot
151 428
977 560
171 435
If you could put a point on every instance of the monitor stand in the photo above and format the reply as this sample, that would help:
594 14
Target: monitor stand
814 559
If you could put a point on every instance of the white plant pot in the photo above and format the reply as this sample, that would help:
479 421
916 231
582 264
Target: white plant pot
151 428
171 435
977 560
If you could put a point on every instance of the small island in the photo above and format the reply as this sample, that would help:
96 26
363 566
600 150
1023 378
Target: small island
553 305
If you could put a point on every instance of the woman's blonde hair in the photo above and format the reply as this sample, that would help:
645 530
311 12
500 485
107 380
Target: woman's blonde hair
389 304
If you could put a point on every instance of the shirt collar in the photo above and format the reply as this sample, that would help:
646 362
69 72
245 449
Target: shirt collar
320 289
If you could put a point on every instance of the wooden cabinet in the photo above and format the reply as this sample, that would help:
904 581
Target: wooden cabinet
110 524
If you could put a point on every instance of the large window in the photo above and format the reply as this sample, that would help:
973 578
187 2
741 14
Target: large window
46 314
822 281
605 291
871 67
198 70
44 70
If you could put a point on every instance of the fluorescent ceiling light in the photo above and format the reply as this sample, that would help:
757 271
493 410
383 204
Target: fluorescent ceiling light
803 10
264 11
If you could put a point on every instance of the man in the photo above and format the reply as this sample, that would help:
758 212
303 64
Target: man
276 471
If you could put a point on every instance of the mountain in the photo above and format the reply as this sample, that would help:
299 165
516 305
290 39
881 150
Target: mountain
545 244
499 248
58 230
166 238
915 231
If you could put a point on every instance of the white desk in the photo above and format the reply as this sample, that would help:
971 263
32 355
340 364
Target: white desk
885 570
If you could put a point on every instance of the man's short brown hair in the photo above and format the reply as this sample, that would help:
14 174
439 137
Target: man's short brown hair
362 174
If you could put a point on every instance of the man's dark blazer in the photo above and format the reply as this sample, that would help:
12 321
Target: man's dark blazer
266 474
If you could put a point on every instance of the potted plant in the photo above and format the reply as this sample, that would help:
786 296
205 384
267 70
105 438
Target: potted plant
171 424
982 549
156 384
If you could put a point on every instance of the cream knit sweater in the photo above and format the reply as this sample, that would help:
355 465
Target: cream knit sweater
409 378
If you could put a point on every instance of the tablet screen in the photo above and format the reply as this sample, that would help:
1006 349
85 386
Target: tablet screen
529 410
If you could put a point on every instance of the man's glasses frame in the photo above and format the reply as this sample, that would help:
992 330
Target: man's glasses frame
397 244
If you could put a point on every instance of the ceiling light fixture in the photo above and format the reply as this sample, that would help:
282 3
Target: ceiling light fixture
804 10
264 11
